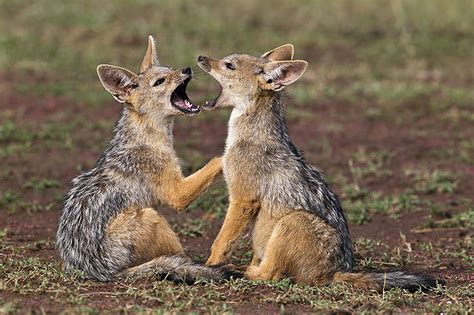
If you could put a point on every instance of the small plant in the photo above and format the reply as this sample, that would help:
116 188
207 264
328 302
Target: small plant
3 233
366 244
11 200
9 132
357 212
362 205
7 308
436 181
463 219
41 184
369 164
191 228
214 201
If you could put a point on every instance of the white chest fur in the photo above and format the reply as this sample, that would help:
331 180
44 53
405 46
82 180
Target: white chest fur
232 133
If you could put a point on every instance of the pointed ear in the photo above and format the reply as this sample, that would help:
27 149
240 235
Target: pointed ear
284 52
279 74
117 81
151 57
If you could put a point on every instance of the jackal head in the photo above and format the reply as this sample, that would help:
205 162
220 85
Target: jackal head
245 78
156 90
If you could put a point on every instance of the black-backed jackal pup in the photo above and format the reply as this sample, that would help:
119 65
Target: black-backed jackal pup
299 229
108 226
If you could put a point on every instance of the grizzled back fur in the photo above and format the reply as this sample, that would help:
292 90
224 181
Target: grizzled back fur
114 184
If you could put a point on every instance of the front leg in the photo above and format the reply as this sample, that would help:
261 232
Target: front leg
238 216
179 192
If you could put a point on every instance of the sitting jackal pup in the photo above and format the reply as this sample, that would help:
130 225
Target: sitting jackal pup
108 226
299 229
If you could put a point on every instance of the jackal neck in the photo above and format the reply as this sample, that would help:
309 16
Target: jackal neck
134 129
262 120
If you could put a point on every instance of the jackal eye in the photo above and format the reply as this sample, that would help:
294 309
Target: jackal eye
158 82
229 66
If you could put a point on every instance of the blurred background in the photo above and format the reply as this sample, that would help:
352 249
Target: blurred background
385 109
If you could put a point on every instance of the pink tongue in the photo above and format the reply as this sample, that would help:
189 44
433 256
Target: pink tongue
184 104
188 104
181 103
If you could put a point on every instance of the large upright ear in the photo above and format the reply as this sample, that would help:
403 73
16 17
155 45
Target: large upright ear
284 52
117 81
279 74
151 58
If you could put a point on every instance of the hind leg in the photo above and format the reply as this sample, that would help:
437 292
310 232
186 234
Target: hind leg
146 233
269 268
299 247
272 266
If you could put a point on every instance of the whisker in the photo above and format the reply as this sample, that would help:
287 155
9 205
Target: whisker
197 76
197 69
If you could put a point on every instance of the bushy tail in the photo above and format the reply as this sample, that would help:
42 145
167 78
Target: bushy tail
385 281
181 269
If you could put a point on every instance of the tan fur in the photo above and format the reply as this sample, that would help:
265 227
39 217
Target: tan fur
147 231
286 242
299 231
180 192
283 52
238 216
299 246
150 122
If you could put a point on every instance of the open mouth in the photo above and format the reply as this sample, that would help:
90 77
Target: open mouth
181 101
209 105
203 63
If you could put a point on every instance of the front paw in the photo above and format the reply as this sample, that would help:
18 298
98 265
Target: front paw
214 260
253 273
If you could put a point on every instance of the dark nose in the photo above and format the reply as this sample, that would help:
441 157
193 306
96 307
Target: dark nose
202 58
186 70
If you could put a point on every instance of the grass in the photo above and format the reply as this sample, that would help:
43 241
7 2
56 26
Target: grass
402 65
366 164
27 276
21 140
41 184
191 228
360 210
463 219
394 41
14 202
436 181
